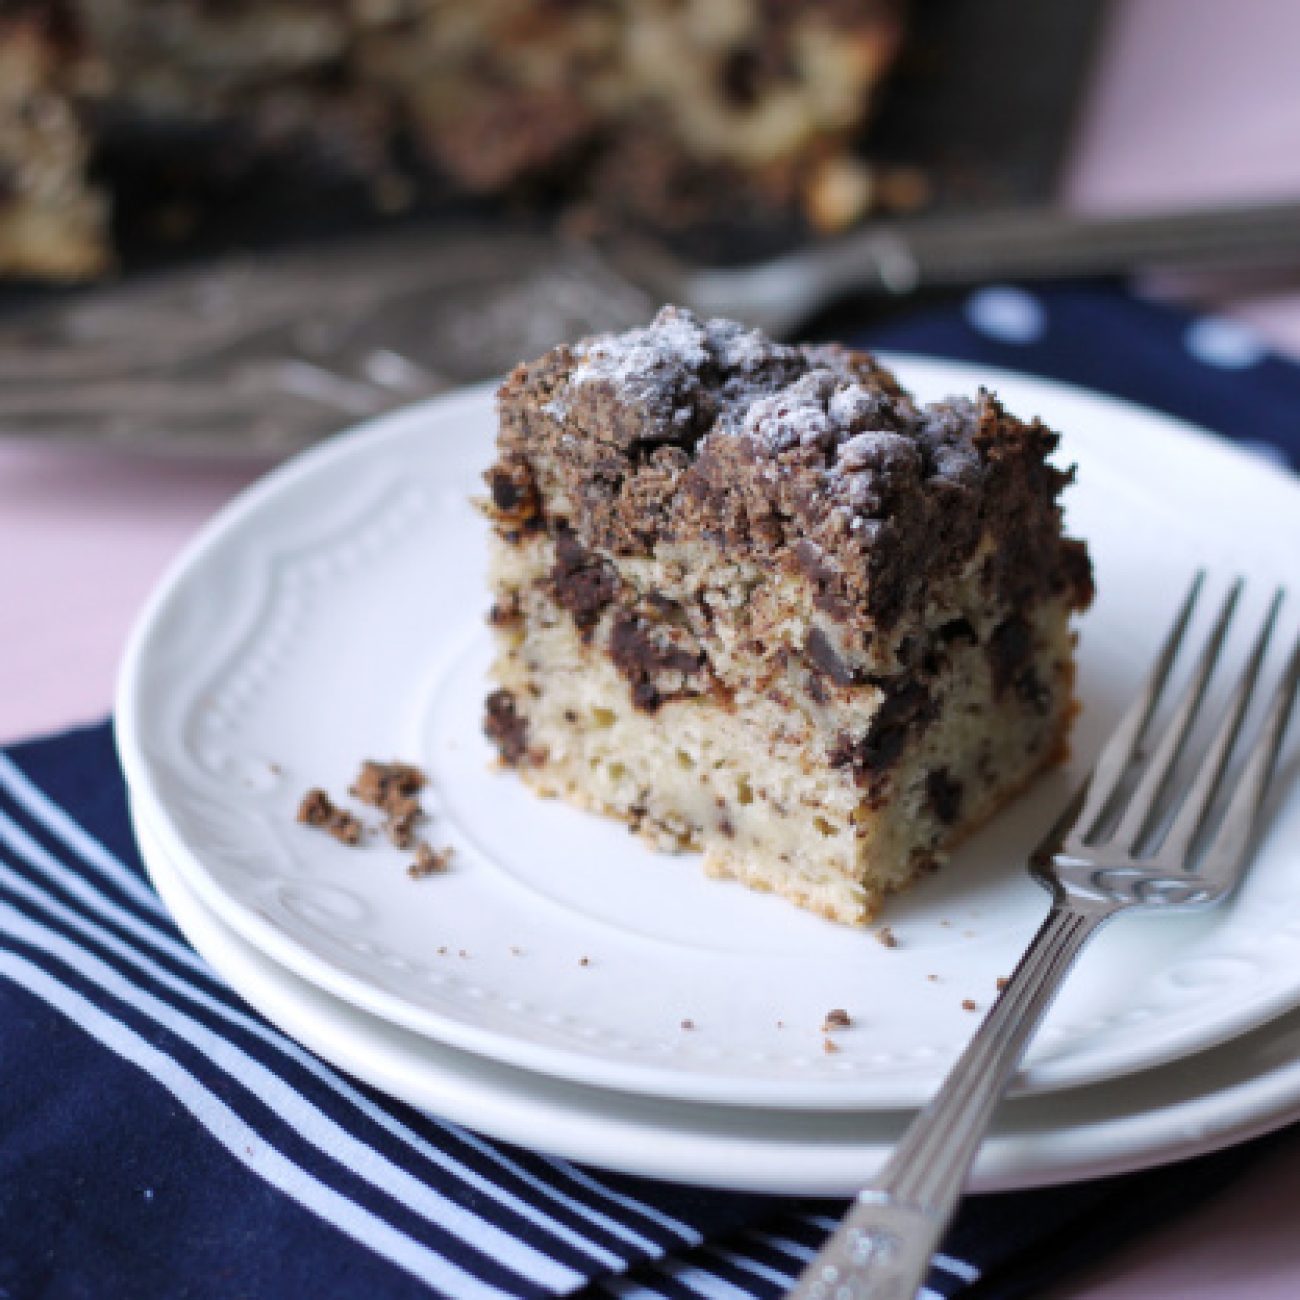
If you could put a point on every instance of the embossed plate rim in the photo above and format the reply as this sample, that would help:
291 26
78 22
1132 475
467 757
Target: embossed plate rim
824 1090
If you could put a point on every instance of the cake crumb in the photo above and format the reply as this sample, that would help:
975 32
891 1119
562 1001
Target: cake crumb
887 937
442 950
780 1024
1002 982
317 809
516 951
829 1046
390 787
584 961
934 979
688 1024
837 1018
382 784
399 825
429 861
969 1004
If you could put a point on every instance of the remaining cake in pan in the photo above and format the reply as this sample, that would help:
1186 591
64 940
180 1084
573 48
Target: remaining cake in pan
674 114
755 600
51 220
663 111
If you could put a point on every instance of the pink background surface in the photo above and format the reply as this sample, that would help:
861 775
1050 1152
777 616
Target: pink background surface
1196 100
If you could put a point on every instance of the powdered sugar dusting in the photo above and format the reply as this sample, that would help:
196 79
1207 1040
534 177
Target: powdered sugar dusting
796 416
855 406
674 341
682 380
946 436
748 352
874 449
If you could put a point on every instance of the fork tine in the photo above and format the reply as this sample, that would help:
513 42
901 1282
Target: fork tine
1145 800
1118 753
1227 851
1177 844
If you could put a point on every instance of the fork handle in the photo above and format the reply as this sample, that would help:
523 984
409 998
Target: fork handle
883 1247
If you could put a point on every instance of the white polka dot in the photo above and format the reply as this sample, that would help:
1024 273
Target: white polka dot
1266 450
1228 344
1006 314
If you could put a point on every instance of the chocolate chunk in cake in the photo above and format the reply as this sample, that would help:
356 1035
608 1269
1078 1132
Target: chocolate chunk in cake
765 604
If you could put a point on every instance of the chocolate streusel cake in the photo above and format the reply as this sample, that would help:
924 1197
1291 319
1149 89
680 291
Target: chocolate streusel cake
757 601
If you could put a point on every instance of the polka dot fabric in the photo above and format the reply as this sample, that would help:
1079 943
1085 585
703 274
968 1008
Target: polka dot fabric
1207 369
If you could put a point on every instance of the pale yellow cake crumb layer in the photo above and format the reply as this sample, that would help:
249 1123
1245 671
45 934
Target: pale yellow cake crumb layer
744 774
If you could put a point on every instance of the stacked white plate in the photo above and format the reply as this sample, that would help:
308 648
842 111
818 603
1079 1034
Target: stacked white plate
565 988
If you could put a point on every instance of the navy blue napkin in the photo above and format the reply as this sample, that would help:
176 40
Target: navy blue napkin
157 1138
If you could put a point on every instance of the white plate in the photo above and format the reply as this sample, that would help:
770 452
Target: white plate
1198 1105
335 612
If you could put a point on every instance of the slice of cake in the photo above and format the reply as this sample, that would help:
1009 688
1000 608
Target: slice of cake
756 601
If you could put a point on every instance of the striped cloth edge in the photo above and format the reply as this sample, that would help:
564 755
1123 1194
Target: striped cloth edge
83 933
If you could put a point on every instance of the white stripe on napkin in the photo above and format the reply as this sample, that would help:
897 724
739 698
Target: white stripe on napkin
159 975
781 1277
957 1267
246 1144
42 809
322 1132
688 1234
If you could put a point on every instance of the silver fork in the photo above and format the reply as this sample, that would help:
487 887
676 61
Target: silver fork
1106 855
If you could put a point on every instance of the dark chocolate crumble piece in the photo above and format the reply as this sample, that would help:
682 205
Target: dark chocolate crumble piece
907 708
641 655
503 725
943 795
583 583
